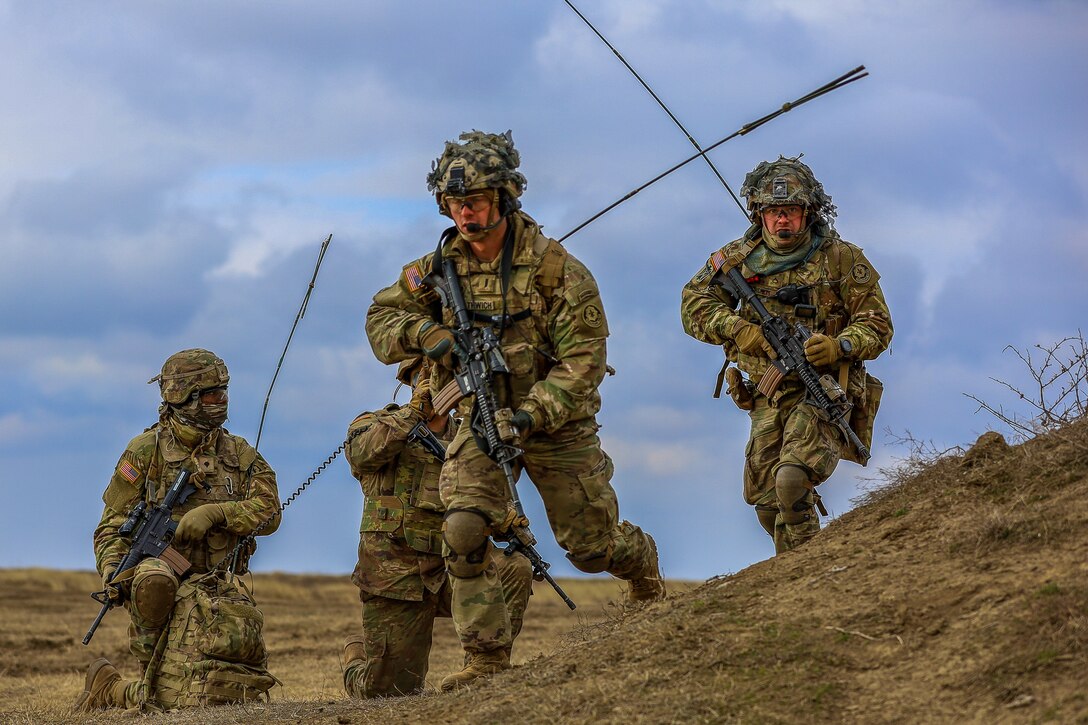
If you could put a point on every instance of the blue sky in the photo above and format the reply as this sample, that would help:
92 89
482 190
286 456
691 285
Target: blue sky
168 172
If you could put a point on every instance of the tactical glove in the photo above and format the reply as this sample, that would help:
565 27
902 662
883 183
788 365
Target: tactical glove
436 342
196 523
421 394
113 591
524 422
821 350
750 339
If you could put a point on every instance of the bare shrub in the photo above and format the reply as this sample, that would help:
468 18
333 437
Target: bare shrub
1058 395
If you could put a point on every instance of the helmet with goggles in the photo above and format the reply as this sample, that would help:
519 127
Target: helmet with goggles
786 182
190 371
480 162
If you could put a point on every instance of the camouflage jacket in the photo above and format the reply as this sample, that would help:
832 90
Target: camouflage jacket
555 345
838 282
226 469
400 538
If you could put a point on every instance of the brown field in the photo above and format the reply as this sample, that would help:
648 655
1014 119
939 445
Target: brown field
957 592
46 613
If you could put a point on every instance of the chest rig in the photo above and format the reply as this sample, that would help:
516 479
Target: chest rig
513 297
221 473
408 502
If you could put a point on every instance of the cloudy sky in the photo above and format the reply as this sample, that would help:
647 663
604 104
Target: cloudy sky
169 170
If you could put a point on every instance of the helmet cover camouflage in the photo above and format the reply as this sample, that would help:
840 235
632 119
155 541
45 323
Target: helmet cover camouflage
481 161
189 371
784 182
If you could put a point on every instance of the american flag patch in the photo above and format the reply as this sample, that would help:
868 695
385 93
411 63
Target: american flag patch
413 277
128 472
717 260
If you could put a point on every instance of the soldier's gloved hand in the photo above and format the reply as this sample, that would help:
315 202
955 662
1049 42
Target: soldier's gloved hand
750 339
524 422
822 350
113 591
436 342
421 395
196 523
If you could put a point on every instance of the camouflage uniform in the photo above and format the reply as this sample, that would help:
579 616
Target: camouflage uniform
836 292
228 474
400 574
552 330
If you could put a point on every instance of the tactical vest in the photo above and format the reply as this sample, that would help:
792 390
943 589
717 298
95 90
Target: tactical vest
817 303
408 503
219 476
533 274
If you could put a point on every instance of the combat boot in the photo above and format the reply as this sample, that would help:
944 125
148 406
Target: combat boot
354 650
101 677
651 586
478 665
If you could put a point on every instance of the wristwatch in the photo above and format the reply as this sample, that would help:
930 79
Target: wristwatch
846 346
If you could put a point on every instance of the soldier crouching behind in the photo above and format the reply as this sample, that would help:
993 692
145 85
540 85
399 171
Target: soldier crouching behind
401 573
193 648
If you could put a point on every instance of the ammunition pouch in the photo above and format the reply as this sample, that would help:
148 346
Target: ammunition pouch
739 389
215 652
863 416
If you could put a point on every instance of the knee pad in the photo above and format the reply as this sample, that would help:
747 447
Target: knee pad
767 516
466 543
152 597
794 492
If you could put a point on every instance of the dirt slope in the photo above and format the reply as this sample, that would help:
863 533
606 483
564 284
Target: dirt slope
958 593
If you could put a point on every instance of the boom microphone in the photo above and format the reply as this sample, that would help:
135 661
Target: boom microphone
474 228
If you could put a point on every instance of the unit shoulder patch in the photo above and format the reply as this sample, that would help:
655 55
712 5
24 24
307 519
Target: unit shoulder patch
861 273
592 315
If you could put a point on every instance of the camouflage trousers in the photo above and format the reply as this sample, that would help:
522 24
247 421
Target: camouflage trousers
573 477
787 432
397 633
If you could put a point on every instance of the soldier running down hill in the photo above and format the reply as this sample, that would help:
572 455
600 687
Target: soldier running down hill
802 272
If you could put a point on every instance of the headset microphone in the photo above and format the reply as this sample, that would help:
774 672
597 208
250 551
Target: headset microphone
474 228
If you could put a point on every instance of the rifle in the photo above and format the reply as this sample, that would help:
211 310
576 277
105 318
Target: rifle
154 531
479 355
788 341
423 435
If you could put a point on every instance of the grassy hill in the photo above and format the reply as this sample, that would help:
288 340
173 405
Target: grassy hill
956 593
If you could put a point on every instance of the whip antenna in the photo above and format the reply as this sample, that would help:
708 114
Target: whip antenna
299 316
845 79
663 107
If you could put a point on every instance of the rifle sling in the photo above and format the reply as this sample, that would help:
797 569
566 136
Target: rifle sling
506 270
721 379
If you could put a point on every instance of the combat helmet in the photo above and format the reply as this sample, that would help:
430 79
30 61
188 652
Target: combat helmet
188 372
481 161
786 181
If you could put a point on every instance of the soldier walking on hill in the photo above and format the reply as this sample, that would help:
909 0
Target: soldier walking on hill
801 270
401 575
544 307
192 651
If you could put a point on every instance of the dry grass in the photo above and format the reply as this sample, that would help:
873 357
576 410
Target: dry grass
46 613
